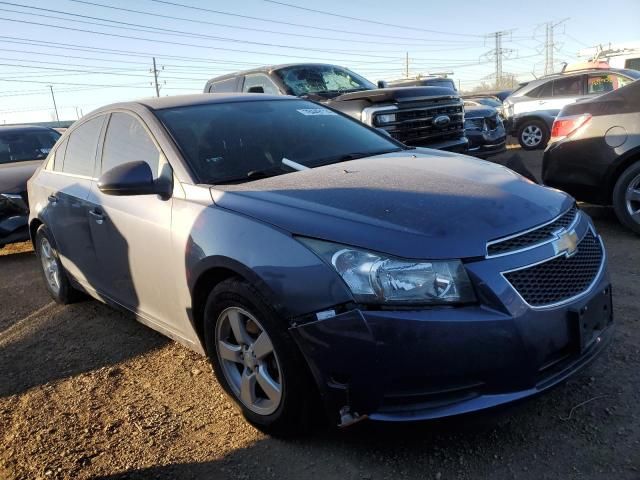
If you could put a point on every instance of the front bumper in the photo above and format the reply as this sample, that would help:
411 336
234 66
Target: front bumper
443 361
458 145
484 144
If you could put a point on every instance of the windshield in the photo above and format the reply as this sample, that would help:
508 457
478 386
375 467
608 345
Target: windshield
19 146
490 102
318 79
243 141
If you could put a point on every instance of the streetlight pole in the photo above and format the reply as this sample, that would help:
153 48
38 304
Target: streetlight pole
55 107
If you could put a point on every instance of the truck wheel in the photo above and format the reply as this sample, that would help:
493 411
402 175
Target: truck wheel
626 198
54 274
533 134
257 362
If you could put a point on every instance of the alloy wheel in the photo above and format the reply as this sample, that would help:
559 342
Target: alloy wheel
50 265
531 135
632 198
249 361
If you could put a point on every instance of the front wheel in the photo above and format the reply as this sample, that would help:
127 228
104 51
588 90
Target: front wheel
533 134
55 276
256 361
626 198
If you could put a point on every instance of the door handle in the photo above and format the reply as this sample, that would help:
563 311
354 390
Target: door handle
52 199
97 216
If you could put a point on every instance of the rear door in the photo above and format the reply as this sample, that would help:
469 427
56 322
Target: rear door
67 188
132 234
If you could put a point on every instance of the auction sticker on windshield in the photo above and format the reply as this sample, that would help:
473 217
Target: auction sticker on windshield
316 111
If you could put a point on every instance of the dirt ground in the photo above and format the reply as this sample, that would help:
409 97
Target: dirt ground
87 392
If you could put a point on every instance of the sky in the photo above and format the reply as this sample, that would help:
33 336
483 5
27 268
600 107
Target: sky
96 52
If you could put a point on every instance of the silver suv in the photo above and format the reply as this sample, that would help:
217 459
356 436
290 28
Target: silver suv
531 110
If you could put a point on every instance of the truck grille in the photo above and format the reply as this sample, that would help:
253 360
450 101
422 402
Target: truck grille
560 278
531 238
414 123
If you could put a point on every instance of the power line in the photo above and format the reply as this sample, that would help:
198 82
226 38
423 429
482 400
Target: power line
174 33
281 22
374 22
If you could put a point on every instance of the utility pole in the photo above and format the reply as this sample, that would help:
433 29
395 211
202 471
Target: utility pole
55 107
406 65
155 77
550 45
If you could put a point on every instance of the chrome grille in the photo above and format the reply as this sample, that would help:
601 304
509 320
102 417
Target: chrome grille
533 237
560 278
414 123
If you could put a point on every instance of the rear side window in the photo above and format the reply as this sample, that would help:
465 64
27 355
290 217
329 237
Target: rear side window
80 156
257 82
128 141
58 159
224 86
570 86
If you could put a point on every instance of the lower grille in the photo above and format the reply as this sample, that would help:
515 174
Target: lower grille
561 278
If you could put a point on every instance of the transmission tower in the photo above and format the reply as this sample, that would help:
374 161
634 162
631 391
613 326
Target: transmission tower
550 45
498 54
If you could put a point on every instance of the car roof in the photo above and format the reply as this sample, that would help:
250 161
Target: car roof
271 68
24 128
160 103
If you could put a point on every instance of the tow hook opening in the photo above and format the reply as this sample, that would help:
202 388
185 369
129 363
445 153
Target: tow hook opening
348 418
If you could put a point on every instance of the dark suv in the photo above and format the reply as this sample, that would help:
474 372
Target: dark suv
418 116
594 152
530 110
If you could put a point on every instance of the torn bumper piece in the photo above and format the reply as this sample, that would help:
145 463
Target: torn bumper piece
419 365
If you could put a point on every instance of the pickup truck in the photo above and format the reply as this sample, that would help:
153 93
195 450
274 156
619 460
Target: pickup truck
430 117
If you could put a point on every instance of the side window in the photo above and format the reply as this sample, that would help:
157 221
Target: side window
566 87
255 82
542 91
128 141
224 86
58 159
80 156
598 83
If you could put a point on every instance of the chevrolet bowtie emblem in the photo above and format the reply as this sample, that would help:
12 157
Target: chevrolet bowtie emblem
566 243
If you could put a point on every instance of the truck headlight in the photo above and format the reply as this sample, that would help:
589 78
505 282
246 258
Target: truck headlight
378 278
385 118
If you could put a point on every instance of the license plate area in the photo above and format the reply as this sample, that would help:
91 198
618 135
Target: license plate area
591 318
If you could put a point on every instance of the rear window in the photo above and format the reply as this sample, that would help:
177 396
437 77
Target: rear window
19 146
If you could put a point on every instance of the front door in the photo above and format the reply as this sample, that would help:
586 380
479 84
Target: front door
132 234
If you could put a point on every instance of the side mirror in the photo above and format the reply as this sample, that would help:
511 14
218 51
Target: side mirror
256 89
132 178
382 84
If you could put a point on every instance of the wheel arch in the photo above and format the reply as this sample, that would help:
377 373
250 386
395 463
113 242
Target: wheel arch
33 228
628 159
210 272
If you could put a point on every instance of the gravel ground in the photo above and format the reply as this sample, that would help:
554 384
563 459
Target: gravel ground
87 392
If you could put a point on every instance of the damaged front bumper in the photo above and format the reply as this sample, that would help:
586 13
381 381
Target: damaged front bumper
14 218
439 362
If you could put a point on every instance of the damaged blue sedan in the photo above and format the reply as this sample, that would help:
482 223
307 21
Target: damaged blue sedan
326 270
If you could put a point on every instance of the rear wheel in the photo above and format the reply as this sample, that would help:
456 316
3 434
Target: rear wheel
533 134
54 274
256 361
626 198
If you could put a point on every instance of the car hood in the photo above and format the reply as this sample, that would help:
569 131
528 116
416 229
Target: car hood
429 204
397 94
479 112
14 176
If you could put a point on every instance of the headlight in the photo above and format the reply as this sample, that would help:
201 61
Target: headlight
377 278
385 118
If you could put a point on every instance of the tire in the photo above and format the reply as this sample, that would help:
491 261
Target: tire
236 301
625 201
533 134
46 251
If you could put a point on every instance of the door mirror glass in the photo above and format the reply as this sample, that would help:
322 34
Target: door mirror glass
131 178
256 89
382 84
